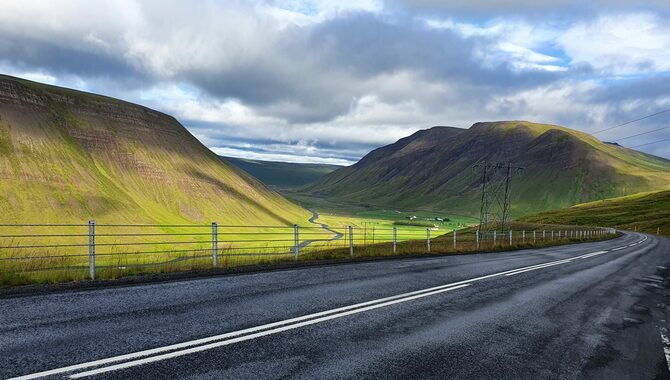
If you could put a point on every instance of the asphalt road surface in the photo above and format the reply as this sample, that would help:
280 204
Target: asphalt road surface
594 310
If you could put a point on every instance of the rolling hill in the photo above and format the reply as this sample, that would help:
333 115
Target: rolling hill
282 175
644 212
67 156
432 169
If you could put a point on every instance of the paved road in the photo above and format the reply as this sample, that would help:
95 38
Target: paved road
315 216
597 310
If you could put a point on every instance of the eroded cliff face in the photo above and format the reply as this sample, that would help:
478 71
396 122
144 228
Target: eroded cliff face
76 155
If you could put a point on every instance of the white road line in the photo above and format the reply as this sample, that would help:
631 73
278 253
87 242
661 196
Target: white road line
593 254
254 331
618 249
539 267
666 345
253 336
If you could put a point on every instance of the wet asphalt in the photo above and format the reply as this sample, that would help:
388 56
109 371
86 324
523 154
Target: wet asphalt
596 317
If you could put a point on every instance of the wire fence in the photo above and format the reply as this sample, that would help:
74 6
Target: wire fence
56 252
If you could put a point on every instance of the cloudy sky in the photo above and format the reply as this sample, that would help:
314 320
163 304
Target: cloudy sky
326 81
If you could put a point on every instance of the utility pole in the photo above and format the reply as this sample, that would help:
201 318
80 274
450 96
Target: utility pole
496 196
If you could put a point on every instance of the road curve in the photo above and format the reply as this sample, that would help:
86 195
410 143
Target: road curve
593 310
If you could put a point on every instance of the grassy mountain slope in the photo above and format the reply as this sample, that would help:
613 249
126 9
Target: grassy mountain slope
67 156
432 169
283 175
645 212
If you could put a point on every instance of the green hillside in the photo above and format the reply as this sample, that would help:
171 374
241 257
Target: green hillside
432 169
283 175
68 156
644 212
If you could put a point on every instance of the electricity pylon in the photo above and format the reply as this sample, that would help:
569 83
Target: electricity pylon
496 195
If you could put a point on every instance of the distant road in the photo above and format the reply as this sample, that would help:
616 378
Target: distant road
315 216
594 310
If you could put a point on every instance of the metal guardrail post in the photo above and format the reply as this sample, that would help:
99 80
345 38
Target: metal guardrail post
428 239
351 241
91 249
296 241
477 238
395 238
454 238
215 245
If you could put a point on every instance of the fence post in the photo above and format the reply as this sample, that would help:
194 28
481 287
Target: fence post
510 237
454 238
428 239
494 237
296 241
351 241
215 245
477 238
395 238
91 249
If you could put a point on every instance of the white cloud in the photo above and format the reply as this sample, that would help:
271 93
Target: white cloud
620 44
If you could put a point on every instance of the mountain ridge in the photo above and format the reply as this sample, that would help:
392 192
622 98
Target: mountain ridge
563 167
69 155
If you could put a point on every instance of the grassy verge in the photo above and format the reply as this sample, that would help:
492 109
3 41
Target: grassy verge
643 212
63 268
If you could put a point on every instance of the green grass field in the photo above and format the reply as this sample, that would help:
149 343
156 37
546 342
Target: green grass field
643 212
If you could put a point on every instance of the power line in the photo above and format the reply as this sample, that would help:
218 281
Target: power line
643 133
649 143
631 121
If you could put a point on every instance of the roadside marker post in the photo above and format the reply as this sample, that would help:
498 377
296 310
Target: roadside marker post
552 234
395 238
477 238
534 240
510 237
296 241
544 235
494 237
523 236
454 238
351 241
91 249
215 244
428 239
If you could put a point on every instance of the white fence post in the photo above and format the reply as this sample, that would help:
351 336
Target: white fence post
215 245
351 241
494 236
91 249
454 238
395 239
296 241
477 238
534 233
523 237
510 237
428 239
544 235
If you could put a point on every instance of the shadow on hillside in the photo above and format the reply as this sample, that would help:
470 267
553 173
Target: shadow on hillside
228 189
